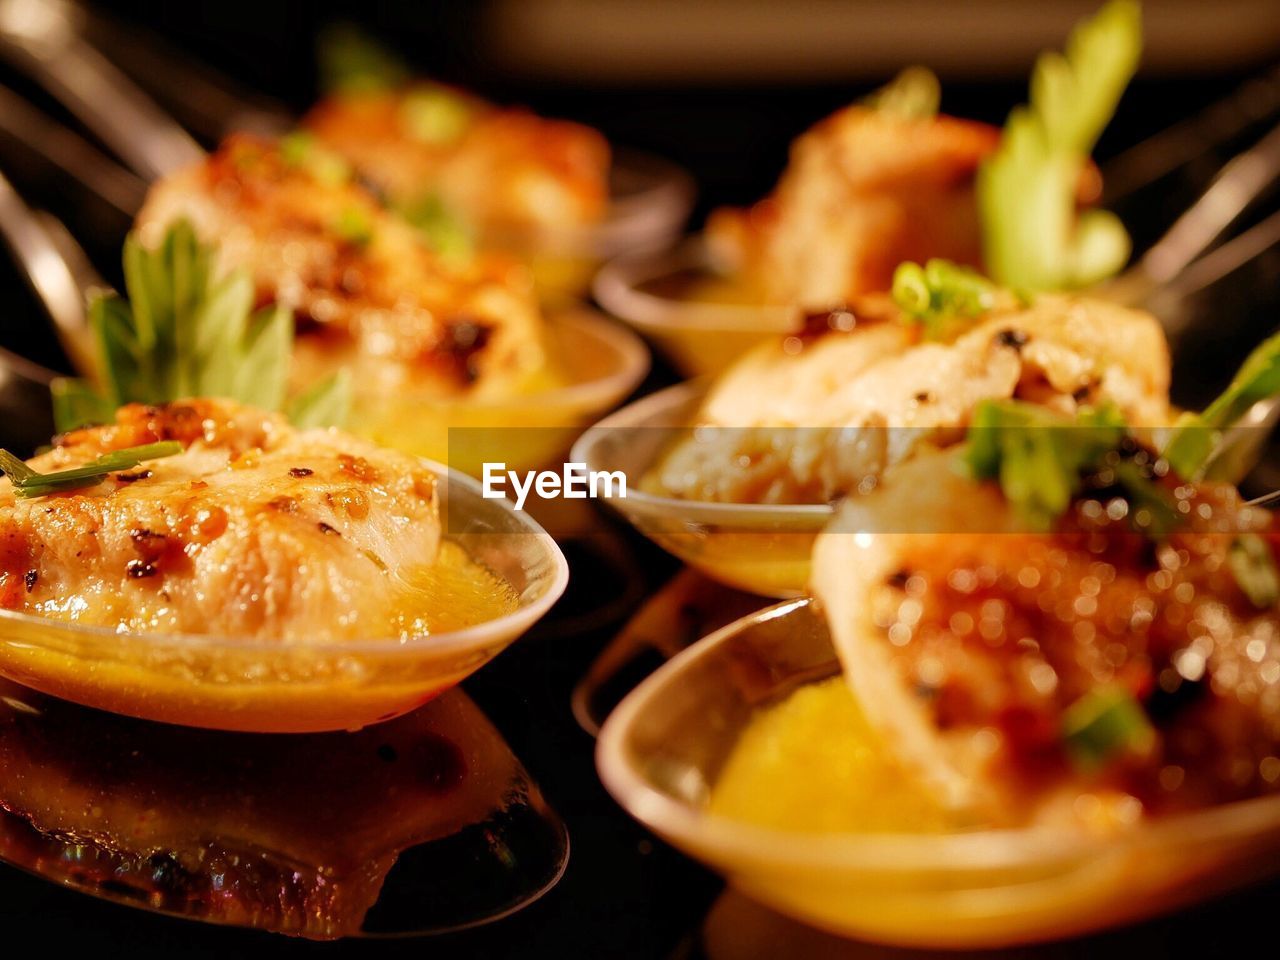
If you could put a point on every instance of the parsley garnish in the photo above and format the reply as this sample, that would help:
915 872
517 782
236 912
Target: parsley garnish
1254 567
1103 724
28 483
1033 236
1042 460
185 332
941 295
1039 456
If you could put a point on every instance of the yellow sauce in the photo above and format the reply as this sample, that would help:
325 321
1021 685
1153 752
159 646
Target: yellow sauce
812 764
453 593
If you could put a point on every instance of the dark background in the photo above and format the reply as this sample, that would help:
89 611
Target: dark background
728 121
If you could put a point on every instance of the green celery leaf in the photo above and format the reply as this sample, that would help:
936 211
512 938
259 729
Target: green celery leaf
327 404
1032 236
262 371
1195 437
76 404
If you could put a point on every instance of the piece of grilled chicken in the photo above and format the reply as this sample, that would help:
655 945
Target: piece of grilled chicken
255 530
809 417
864 190
507 173
368 291
971 642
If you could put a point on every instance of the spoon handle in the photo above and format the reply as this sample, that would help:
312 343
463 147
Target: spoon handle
43 38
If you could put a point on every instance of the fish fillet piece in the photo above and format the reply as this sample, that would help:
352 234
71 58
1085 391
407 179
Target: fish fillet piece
812 416
863 191
368 292
256 530
506 172
968 639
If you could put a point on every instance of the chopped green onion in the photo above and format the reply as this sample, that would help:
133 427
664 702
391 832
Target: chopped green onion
444 232
301 149
1033 236
941 295
432 114
28 483
1254 566
1104 724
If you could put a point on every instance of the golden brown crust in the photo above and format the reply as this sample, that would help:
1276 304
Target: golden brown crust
254 530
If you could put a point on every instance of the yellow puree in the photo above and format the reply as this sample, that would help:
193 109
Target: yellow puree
812 764
450 594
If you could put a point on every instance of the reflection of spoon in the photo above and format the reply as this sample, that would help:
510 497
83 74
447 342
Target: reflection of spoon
689 606
419 825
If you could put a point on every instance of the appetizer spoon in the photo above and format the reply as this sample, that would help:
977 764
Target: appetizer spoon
650 198
254 685
662 750
44 37
705 333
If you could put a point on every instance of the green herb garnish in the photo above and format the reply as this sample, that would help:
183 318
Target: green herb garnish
444 232
354 226
432 114
914 94
1254 567
1041 459
185 332
1039 456
28 483
1195 439
1104 724
1033 236
301 149
351 61
941 296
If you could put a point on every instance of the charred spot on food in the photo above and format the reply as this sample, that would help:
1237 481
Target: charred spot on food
925 396
134 477
300 472
30 578
464 341
327 529
898 579
1013 338
149 544
141 569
